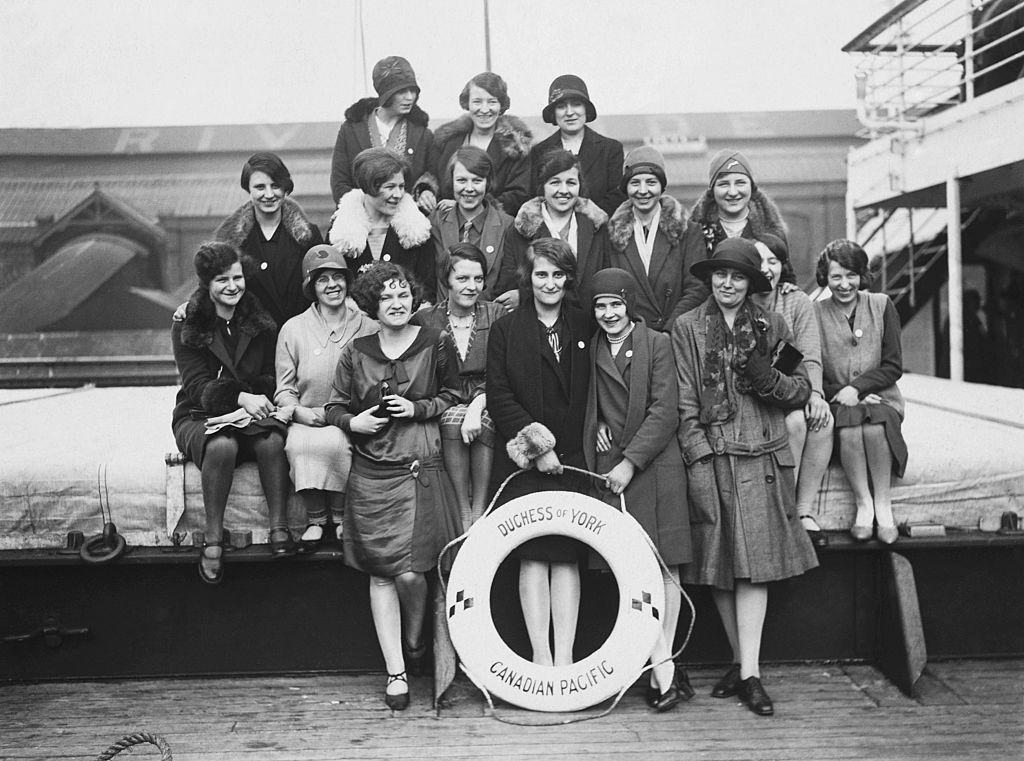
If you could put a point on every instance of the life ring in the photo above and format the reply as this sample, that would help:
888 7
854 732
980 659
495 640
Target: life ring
493 664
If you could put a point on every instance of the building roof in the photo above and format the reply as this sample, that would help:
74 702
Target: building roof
634 128
56 287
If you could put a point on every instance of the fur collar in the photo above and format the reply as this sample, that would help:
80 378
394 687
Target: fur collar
200 318
362 108
514 137
236 228
352 224
530 219
764 214
672 223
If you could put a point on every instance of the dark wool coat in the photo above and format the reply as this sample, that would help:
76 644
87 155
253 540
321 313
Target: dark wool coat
667 289
640 406
211 377
704 231
444 229
510 156
354 136
279 288
741 486
524 386
600 160
529 226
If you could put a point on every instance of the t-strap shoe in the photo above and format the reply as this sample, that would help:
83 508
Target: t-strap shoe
398 701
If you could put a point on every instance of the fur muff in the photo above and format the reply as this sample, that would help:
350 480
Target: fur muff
220 396
530 219
362 108
236 228
201 319
514 137
352 225
764 215
672 224
530 443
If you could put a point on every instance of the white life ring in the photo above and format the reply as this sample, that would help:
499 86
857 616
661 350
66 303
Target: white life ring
493 664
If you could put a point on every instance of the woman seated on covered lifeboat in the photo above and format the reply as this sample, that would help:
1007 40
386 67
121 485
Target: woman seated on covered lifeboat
224 352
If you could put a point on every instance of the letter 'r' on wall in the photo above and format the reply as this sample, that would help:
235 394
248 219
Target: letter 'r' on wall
136 140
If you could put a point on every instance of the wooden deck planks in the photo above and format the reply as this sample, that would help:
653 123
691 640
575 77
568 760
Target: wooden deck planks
829 712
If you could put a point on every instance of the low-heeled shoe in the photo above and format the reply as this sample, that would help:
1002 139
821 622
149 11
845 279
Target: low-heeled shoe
727 686
682 681
282 547
400 701
651 696
751 692
668 699
887 534
860 533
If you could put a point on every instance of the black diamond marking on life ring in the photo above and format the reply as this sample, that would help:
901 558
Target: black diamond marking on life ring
462 602
644 603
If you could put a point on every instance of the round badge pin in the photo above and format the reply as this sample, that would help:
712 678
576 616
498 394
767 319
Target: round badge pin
263 265
629 353
582 345
859 333
489 249
386 257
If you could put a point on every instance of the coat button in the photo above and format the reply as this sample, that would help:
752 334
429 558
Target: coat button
856 373
769 479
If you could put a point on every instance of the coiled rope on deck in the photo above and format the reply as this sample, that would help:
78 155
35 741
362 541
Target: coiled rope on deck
137 739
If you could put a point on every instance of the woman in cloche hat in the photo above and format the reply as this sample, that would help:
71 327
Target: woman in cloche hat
392 120
732 430
570 108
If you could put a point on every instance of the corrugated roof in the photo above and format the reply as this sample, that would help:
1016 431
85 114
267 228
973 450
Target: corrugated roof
321 135
22 200
57 286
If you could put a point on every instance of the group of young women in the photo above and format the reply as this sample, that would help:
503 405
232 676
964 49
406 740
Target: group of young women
484 306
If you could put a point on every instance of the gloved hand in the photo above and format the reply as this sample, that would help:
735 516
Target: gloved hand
757 369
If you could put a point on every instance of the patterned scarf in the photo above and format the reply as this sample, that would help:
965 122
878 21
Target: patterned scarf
748 333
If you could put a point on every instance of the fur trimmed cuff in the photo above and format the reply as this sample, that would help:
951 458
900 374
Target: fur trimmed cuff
529 444
221 396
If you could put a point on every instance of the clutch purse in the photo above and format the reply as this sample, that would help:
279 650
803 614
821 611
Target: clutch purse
786 358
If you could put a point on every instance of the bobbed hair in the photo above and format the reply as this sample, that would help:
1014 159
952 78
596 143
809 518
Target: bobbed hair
214 257
778 247
375 166
555 162
466 252
556 251
847 254
272 166
490 82
370 285
474 159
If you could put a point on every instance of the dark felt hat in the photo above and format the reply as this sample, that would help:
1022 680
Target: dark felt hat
321 257
616 282
727 161
391 75
643 160
567 87
738 254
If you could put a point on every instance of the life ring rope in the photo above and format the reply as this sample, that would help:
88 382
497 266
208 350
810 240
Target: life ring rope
479 684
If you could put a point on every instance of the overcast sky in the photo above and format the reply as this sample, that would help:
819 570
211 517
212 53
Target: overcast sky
86 63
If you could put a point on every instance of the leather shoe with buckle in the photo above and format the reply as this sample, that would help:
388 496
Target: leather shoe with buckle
752 693
728 685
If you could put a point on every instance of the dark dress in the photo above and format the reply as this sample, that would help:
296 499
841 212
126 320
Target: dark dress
401 509
277 280
215 365
527 384
472 368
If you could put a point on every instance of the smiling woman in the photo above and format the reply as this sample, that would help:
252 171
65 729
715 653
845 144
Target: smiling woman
275 233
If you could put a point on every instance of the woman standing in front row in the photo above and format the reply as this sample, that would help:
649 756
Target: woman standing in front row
389 390
632 419
537 374
645 236
467 432
570 108
732 408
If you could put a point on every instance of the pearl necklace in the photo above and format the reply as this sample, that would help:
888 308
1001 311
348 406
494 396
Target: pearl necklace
625 334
